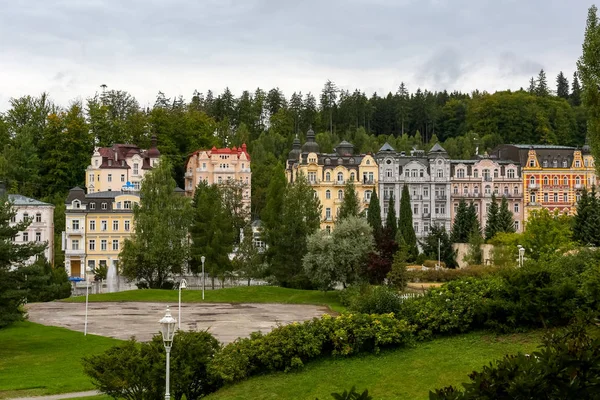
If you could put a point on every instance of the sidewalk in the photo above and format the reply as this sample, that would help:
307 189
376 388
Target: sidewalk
61 396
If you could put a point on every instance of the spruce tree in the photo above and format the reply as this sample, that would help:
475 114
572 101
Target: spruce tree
461 226
391 223
562 86
473 219
491 227
405 227
532 86
272 213
542 85
374 216
505 218
581 231
439 236
350 205
575 97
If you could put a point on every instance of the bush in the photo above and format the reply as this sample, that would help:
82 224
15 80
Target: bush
447 274
376 300
397 278
566 367
433 264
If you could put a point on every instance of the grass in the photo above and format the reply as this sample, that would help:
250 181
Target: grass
397 374
40 360
241 294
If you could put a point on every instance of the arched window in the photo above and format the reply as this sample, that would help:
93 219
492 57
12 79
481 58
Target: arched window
328 194
352 176
465 189
495 173
455 189
327 176
565 181
476 190
532 180
340 177
577 180
555 181
506 190
340 194
515 190
488 189
545 180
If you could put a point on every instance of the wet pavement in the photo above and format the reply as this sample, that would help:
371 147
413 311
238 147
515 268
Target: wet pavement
122 320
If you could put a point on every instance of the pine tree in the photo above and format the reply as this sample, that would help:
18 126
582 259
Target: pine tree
542 85
562 86
439 237
473 219
532 86
405 226
271 215
461 227
505 218
575 97
581 231
350 205
374 216
491 227
391 223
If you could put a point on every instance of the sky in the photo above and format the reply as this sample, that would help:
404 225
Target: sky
69 48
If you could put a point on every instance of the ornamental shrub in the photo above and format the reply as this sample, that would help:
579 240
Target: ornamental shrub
376 300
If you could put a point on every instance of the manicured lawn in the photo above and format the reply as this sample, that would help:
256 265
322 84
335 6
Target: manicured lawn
398 374
242 294
38 360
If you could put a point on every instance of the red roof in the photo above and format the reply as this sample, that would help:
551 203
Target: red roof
235 151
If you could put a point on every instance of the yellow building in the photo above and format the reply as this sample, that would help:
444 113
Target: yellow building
329 173
553 176
97 224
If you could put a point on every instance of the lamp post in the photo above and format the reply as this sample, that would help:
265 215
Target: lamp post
167 328
521 255
182 285
202 259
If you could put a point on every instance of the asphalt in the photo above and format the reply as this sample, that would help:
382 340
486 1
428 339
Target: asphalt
73 395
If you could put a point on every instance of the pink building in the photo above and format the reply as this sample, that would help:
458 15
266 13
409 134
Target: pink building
476 180
219 166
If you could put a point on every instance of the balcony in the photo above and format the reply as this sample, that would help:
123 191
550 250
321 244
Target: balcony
313 181
188 174
578 186
75 252
533 186
77 231
426 215
441 197
368 182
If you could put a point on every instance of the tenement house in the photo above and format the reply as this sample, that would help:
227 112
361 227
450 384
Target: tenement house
328 174
120 166
218 166
427 176
475 181
552 176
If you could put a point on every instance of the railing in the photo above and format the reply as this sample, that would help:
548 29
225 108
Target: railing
188 174
338 182
441 197
578 186
426 215
78 231
533 186
75 252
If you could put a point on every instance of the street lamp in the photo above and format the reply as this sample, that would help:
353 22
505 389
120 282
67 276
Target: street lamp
182 285
167 328
521 254
202 259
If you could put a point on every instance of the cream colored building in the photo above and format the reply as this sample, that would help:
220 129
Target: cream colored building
120 166
329 173
216 166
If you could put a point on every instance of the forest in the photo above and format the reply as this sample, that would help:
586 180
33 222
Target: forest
45 147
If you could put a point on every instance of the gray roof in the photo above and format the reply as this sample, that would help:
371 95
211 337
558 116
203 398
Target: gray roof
437 148
108 194
387 147
20 200
543 146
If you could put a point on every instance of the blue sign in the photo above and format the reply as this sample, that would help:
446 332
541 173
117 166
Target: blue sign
128 186
76 279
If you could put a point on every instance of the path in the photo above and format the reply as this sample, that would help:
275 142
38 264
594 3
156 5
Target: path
122 320
89 393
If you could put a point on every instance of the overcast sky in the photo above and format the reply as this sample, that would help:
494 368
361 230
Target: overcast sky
71 47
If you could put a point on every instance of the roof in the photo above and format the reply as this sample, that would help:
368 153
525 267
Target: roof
109 194
437 148
234 150
20 200
387 147
542 147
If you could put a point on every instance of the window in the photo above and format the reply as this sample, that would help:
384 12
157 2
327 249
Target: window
426 227
455 189
204 165
385 210
511 173
565 198
118 205
92 206
13 218
115 245
104 206
564 163
340 194
92 245
328 177
413 173
565 181
545 164
91 265
440 173
127 225
74 244
328 194
532 163
495 173
38 217
340 177
135 168
103 244
465 189
416 209
455 208
426 192
328 229
532 181
488 189
388 173
460 173
476 190
328 214
92 225
555 181
122 178
516 208
506 190
546 197
115 225
577 164
38 236
477 208
555 163
425 208
104 225
515 190
545 180
110 177
496 190
486 174
532 198
555 197
517 226
421 173
585 163
25 217
577 180
136 185
367 195
416 227
352 176
312 177
96 163
75 224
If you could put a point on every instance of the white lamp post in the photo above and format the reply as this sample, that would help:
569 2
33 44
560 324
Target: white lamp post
182 285
202 259
521 255
167 328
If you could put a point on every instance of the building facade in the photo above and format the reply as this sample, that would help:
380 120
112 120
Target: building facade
552 176
216 166
427 176
41 229
119 166
97 224
328 173
475 181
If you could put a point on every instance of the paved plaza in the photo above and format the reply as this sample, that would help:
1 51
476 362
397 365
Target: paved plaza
122 320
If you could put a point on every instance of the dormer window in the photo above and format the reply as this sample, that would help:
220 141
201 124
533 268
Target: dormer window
545 164
555 164
104 206
577 164
109 163
92 206
532 163
564 164
76 204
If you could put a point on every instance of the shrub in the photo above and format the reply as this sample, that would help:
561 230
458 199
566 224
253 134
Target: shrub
566 367
348 295
376 300
433 264
397 278
447 274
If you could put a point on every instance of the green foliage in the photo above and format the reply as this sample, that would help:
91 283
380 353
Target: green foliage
398 276
319 261
475 254
562 86
248 260
352 395
505 251
586 222
460 228
405 226
504 221
350 205
565 367
438 239
158 246
374 215
449 274
41 282
370 299
391 222
492 225
546 234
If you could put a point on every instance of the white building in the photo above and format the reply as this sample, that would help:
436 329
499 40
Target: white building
41 228
428 179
